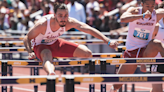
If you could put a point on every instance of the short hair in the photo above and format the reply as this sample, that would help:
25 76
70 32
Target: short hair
59 6
143 1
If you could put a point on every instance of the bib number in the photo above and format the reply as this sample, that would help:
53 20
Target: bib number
47 40
141 33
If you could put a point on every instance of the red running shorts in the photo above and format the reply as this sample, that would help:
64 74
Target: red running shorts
61 48
137 53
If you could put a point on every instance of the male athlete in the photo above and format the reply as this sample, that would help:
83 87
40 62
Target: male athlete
142 21
46 44
159 68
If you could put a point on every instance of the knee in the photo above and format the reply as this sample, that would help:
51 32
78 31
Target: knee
156 44
45 53
87 54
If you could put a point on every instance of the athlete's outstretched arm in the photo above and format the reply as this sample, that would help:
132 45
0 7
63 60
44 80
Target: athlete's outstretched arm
160 13
132 14
155 30
33 32
92 31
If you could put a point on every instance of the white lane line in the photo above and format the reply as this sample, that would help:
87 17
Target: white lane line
80 88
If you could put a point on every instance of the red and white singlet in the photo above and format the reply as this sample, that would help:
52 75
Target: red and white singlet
49 37
140 31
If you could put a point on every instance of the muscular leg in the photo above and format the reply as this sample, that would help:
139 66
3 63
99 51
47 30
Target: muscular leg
125 69
82 51
153 48
156 87
46 56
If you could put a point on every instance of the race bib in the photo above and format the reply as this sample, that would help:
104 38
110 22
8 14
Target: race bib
47 40
141 33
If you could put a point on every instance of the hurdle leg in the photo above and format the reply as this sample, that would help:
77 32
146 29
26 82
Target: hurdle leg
4 73
51 85
103 71
11 74
125 87
70 85
36 72
10 67
72 70
3 54
82 69
64 72
133 89
91 71
4 68
120 90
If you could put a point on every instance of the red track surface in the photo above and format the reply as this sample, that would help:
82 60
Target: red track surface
19 71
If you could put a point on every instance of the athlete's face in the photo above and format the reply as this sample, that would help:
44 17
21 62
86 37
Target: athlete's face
61 17
149 5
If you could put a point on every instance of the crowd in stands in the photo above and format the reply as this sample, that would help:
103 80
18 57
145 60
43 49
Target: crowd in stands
16 14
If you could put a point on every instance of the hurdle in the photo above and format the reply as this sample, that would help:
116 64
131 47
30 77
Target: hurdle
120 48
50 81
104 62
91 63
65 33
5 38
111 61
70 80
34 70
23 50
97 41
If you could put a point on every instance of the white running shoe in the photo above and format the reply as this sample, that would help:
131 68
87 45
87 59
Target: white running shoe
112 89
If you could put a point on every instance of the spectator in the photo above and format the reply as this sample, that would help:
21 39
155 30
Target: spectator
90 6
105 24
76 10
25 22
12 20
4 18
103 11
37 18
45 7
20 5
51 5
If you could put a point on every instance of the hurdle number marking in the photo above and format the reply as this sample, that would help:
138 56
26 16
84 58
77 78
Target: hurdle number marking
130 79
32 80
56 63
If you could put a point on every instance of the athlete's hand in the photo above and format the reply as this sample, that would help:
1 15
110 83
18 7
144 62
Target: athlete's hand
31 55
147 14
113 44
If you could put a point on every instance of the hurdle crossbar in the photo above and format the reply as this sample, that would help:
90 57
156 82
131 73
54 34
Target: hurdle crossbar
112 61
14 80
117 79
97 41
23 50
120 48
31 63
118 61
65 33
21 38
